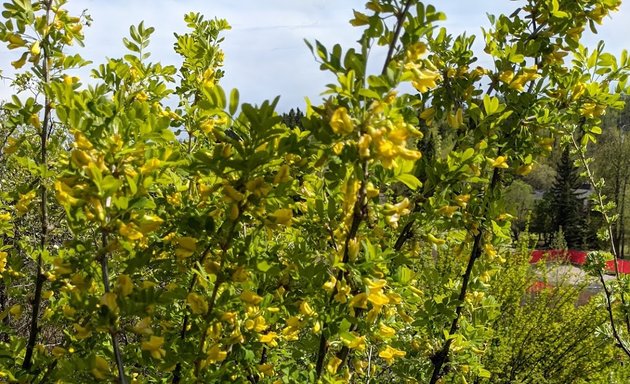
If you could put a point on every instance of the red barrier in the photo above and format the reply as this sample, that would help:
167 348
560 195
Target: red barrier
622 265
572 256
575 257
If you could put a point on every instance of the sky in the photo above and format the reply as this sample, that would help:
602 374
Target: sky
265 53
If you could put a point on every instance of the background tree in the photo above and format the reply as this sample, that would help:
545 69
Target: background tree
567 207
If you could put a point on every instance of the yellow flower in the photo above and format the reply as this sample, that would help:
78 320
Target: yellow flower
283 175
353 341
154 347
186 246
3 261
143 327
58 351
215 354
258 186
448 210
359 301
125 285
283 216
389 354
306 309
506 76
265 369
250 297
240 275
500 162
150 223
109 300
100 368
269 339
340 122
386 332
231 194
130 231
425 79
82 332
197 303
333 365
23 203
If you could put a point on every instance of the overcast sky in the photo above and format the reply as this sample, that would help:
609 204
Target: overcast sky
265 54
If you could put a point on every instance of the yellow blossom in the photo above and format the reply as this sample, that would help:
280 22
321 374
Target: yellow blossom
500 162
186 246
359 301
265 369
283 175
82 332
389 354
100 368
250 297
197 303
216 354
23 203
269 339
143 327
340 122
130 231
425 79
125 285
386 332
3 261
58 351
109 300
154 347
306 309
283 216
333 365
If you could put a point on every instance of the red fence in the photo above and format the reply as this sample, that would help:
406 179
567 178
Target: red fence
575 257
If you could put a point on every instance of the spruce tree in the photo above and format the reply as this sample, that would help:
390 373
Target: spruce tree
567 208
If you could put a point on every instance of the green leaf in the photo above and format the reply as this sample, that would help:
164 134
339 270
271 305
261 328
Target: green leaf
410 181
234 96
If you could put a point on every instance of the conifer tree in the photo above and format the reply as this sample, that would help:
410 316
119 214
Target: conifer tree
567 208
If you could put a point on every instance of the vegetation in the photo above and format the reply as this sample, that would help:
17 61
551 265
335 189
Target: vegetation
370 241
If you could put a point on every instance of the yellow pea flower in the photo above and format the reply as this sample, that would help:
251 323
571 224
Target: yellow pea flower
82 332
154 347
265 369
143 327
448 210
125 285
269 339
186 246
100 368
306 309
386 332
250 297
216 354
197 303
389 354
425 79
500 162
340 122
283 175
333 365
58 351
24 202
130 231
359 301
109 300
231 194
3 261
283 216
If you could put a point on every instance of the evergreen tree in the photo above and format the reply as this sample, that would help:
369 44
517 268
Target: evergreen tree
293 118
567 208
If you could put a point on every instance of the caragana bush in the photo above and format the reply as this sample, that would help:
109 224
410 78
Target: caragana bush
208 242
